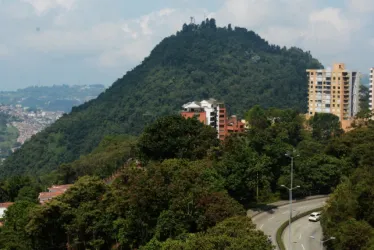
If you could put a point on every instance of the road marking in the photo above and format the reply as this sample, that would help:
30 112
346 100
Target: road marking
261 226
303 246
271 218
299 236
287 212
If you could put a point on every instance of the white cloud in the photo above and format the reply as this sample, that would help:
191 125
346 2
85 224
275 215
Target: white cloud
107 41
42 6
112 42
361 6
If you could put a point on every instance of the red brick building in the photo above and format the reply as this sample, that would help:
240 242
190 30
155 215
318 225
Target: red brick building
213 113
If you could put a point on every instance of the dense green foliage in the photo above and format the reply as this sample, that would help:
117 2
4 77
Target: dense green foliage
162 201
195 200
236 233
254 164
19 188
325 126
349 213
201 61
111 154
176 137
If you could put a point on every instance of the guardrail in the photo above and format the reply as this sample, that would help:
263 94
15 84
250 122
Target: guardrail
285 224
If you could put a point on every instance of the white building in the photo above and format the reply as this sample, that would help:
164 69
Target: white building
3 208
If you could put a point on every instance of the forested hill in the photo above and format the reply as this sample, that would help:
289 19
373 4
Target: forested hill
201 61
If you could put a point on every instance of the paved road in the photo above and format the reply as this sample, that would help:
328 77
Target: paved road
271 220
302 229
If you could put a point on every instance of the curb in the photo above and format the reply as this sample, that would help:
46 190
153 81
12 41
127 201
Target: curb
285 203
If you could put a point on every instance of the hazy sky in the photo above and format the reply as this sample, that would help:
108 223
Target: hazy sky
46 42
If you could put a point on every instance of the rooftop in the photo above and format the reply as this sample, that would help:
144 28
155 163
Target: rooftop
49 195
6 204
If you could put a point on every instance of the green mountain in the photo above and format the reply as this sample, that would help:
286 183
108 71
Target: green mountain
200 61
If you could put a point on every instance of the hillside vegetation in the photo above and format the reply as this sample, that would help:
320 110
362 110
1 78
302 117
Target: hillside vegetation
349 213
179 198
200 61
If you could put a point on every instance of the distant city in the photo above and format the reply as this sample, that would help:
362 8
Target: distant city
28 111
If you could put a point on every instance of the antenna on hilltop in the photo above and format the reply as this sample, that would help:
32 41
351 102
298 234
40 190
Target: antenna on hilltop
192 20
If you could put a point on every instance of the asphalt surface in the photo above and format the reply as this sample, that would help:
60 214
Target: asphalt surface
302 230
271 220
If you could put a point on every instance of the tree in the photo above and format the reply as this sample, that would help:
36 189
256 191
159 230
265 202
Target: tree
176 137
325 126
256 118
237 233
13 235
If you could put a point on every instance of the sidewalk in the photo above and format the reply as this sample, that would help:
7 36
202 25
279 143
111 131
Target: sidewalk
255 211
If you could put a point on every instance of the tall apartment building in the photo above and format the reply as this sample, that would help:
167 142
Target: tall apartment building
213 113
371 90
334 91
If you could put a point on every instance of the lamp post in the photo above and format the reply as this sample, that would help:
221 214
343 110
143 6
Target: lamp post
290 155
323 241
290 219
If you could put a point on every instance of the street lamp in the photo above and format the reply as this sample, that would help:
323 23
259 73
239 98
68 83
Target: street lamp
290 155
289 221
323 241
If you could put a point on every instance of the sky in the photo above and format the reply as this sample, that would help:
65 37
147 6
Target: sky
47 42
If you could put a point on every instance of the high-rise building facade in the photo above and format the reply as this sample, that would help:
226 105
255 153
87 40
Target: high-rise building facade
371 90
334 91
213 113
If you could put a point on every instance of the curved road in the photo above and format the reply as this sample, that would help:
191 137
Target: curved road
302 230
270 221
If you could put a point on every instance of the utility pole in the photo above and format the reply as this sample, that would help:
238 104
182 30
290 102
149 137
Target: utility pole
290 155
257 188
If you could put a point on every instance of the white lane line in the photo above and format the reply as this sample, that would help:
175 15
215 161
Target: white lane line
299 236
261 226
303 246
271 218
